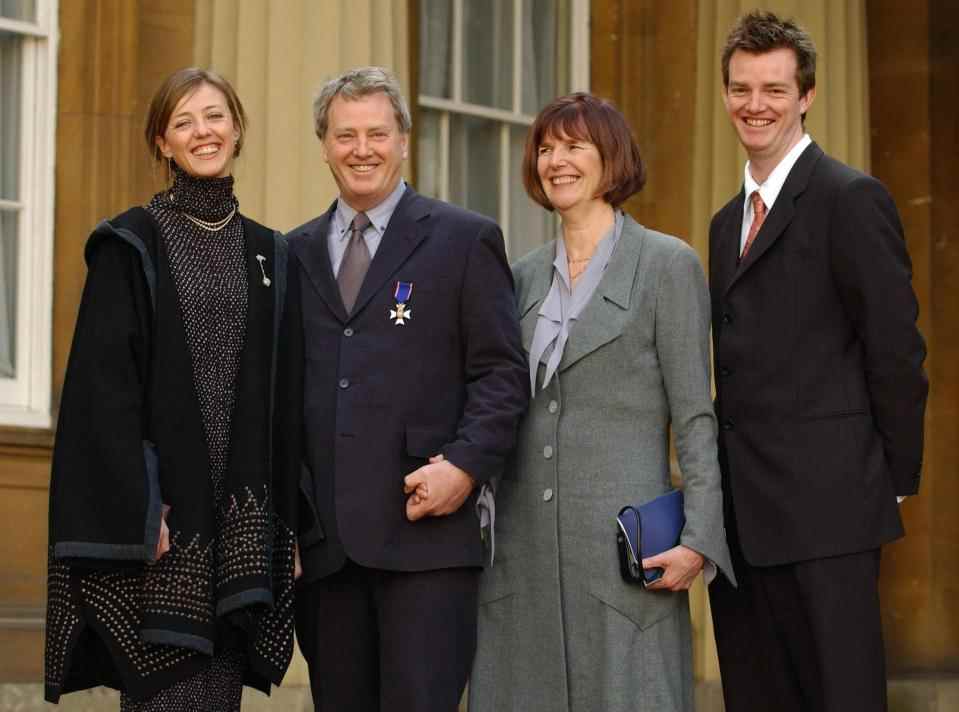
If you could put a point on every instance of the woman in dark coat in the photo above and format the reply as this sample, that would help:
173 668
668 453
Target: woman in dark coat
171 560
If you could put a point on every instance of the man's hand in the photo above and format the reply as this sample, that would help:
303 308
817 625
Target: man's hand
436 489
163 543
681 565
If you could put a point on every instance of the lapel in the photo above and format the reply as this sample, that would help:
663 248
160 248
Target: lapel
535 294
404 233
782 212
607 311
310 247
604 316
724 259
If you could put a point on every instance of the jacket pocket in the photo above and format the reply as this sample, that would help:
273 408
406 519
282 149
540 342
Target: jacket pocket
496 583
425 442
642 607
836 414
311 528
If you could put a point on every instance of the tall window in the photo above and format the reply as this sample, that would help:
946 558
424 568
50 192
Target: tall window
486 68
27 113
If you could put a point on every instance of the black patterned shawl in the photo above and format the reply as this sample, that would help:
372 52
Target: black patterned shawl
130 436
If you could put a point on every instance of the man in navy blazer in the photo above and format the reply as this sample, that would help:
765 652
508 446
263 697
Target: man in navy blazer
414 382
820 394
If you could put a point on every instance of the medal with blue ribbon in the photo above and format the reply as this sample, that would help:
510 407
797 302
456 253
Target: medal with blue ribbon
403 312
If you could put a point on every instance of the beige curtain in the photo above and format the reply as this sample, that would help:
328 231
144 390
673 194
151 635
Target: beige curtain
277 54
838 121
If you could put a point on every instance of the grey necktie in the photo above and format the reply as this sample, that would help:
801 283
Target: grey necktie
356 260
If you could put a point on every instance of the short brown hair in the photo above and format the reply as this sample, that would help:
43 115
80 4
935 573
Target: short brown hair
585 117
759 32
178 85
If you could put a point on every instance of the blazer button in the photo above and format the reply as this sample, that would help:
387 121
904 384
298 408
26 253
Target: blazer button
348 331
344 383
729 424
553 406
548 452
727 318
725 373
547 494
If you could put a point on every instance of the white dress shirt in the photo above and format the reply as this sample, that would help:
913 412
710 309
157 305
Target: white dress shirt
770 188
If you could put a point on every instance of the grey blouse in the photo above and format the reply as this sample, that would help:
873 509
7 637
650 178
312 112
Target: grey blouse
564 302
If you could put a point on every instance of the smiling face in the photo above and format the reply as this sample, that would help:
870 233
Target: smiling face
201 135
765 106
364 148
570 171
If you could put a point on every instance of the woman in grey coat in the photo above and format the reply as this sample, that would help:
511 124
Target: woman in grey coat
615 321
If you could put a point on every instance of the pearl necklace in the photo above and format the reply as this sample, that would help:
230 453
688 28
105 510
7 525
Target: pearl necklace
206 224
211 226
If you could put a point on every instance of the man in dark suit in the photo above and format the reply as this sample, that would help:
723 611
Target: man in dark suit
820 394
414 383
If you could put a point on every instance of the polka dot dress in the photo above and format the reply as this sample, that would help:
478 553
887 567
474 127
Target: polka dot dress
208 268
209 272
219 688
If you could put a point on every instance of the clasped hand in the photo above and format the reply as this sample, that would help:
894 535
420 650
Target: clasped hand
436 489
681 565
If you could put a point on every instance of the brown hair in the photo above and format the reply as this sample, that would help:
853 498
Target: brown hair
759 32
585 117
178 85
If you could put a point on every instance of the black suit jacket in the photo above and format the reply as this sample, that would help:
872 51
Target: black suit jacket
380 398
820 385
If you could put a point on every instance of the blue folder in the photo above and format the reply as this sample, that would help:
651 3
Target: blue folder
646 530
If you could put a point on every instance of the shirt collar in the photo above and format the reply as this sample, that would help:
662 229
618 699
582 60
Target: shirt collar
770 188
379 215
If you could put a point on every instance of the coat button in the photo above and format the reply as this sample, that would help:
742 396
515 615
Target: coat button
725 373
348 331
729 424
547 494
553 406
548 452
344 383
727 318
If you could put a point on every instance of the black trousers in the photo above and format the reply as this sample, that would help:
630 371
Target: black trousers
801 637
387 641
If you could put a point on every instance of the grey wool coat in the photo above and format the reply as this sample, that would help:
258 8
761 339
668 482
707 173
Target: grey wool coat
559 630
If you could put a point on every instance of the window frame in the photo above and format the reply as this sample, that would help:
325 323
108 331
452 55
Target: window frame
25 399
455 105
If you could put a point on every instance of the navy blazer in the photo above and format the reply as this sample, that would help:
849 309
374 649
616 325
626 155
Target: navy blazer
819 378
381 397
